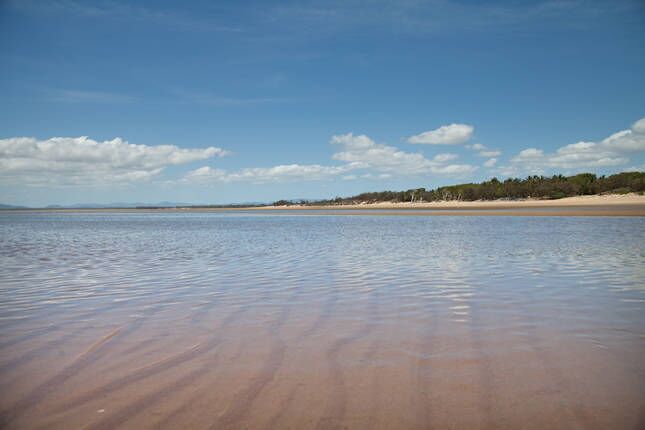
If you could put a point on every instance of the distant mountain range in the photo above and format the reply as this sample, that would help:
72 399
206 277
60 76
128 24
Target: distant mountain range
11 207
120 205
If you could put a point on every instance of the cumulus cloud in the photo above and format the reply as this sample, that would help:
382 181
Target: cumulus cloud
205 174
365 152
483 151
83 161
306 172
442 158
492 153
454 169
639 126
452 134
612 151
490 162
530 154
357 152
376 176
309 172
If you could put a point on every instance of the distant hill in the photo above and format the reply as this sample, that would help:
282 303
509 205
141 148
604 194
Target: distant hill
138 205
3 206
116 205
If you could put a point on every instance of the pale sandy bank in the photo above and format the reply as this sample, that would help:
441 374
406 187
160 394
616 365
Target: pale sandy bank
579 201
605 205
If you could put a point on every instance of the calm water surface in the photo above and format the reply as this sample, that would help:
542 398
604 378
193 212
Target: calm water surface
247 320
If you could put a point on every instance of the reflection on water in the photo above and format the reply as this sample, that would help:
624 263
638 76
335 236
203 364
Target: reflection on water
235 320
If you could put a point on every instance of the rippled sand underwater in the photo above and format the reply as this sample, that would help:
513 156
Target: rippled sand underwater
240 320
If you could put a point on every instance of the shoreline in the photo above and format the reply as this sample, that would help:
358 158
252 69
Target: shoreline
582 201
595 205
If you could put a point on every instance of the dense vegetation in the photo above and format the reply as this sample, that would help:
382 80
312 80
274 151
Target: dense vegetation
540 187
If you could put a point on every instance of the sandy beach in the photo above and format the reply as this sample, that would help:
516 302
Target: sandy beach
631 199
597 205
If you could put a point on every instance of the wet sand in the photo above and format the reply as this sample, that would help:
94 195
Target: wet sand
447 331
291 370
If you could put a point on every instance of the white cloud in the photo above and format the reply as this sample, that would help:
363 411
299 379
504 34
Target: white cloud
488 154
363 150
455 169
357 152
530 154
366 153
452 134
375 176
310 172
627 140
442 158
639 126
205 174
83 161
483 151
490 162
612 151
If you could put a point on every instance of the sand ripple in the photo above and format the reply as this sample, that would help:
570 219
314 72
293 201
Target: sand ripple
238 320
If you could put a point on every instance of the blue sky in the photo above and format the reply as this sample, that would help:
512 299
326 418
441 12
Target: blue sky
215 102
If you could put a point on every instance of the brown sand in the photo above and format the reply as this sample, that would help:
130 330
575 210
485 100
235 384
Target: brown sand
294 369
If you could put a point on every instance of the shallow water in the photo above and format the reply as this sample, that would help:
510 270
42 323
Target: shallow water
274 320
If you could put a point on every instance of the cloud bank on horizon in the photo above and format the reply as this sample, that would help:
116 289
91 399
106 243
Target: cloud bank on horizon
69 161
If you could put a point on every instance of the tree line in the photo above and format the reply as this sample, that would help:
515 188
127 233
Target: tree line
539 187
